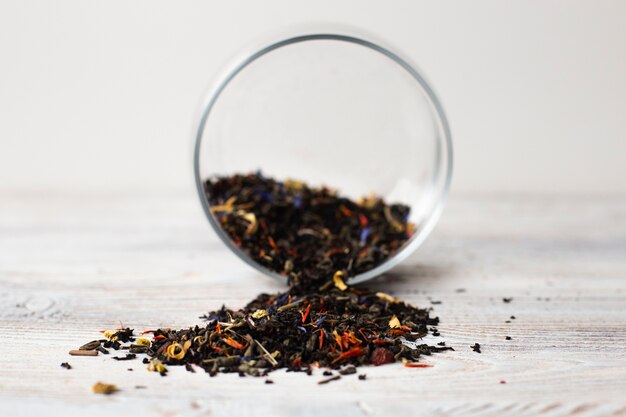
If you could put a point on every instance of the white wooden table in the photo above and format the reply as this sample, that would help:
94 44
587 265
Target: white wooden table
72 264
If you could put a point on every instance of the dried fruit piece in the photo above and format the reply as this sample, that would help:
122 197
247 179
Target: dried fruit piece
381 356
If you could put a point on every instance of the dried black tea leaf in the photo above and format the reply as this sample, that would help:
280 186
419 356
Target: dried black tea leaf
128 357
93 345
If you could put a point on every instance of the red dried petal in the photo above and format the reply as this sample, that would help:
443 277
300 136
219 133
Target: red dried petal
232 342
355 351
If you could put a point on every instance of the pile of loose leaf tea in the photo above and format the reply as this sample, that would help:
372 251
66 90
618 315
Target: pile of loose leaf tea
306 233
318 240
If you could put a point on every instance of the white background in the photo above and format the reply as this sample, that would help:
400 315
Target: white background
103 94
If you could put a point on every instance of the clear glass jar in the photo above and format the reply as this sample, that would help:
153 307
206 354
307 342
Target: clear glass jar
329 109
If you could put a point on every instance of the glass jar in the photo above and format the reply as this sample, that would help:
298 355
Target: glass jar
331 109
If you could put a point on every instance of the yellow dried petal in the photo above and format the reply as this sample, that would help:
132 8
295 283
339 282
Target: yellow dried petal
110 334
259 314
227 206
102 388
387 297
156 365
186 345
142 341
369 201
338 280
250 218
175 351
294 185
394 323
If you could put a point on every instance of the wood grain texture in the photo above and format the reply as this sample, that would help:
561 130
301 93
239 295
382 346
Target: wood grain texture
73 264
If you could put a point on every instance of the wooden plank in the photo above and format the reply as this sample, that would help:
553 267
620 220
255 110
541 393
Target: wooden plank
72 264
